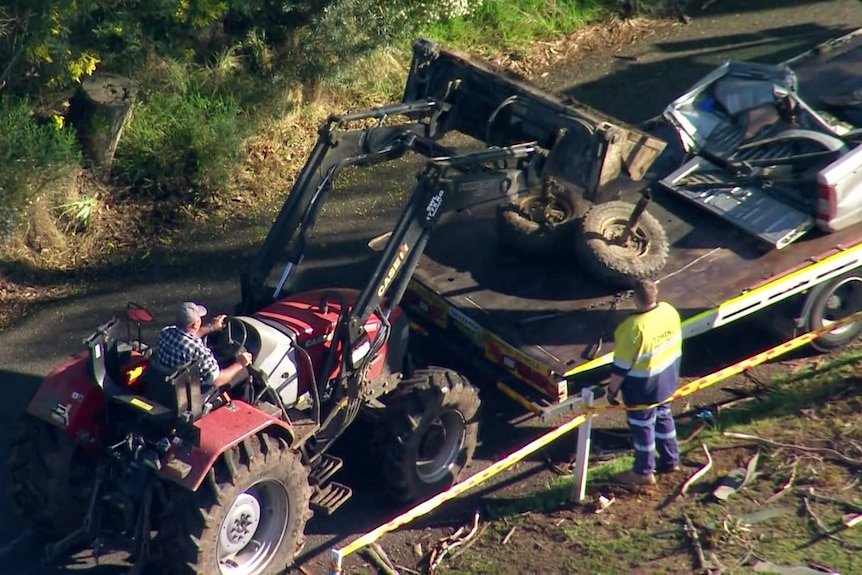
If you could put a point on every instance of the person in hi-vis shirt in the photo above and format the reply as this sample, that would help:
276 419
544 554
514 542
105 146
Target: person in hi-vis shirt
647 352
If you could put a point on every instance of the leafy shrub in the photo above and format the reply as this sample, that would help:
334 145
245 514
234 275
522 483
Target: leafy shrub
180 145
33 154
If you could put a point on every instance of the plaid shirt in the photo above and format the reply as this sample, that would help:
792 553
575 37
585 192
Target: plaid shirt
177 348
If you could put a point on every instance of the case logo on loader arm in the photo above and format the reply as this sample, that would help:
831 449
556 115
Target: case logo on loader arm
393 270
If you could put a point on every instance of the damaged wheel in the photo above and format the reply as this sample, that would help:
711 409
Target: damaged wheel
248 520
604 254
431 430
50 479
540 225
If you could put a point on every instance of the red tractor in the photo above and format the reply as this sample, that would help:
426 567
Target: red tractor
118 452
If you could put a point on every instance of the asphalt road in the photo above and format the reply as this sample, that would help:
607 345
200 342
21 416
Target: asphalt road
633 89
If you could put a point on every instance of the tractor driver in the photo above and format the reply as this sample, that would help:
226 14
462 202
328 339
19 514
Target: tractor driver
647 353
181 343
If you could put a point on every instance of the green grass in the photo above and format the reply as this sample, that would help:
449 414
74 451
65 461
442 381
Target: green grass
513 24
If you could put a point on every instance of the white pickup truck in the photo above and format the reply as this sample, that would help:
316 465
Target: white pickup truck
763 158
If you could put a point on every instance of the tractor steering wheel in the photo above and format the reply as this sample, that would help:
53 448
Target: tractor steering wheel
237 347
243 333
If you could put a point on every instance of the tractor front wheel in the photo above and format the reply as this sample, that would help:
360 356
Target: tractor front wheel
431 430
50 479
249 520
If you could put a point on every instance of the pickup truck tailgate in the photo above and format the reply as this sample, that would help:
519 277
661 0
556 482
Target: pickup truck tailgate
743 204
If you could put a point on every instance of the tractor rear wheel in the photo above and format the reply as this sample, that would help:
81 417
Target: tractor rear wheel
50 478
249 520
431 430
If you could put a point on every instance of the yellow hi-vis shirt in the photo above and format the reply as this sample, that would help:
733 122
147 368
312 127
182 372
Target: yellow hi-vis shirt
646 344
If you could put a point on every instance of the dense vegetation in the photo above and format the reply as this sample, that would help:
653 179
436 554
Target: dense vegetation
211 73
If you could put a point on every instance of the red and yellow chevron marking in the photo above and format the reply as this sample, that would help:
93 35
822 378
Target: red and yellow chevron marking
698 384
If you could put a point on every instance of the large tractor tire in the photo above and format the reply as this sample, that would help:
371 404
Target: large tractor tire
618 264
248 521
837 299
535 227
430 432
51 479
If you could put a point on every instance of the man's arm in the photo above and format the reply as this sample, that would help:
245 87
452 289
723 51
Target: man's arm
227 374
627 343
217 324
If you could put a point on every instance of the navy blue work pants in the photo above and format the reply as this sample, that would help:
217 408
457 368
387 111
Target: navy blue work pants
653 428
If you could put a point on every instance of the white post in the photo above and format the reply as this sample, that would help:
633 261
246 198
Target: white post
336 561
579 480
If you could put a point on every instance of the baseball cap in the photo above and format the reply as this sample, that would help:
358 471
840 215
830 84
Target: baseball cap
188 312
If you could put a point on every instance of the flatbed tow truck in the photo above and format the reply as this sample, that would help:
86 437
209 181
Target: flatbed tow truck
548 327
545 322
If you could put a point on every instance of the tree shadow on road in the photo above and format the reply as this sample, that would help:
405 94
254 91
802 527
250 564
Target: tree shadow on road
638 75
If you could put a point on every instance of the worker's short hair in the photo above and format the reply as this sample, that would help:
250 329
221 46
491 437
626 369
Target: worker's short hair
646 291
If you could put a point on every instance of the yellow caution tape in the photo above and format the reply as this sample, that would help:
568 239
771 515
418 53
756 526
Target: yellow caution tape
697 385
459 488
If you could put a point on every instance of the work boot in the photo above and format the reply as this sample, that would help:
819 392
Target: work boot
634 478
672 468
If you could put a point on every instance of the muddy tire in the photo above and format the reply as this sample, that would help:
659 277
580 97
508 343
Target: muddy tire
601 254
528 229
431 428
50 479
249 519
839 298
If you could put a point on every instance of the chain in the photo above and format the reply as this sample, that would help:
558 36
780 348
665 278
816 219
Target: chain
618 298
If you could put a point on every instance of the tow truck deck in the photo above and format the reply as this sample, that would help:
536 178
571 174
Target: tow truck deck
545 322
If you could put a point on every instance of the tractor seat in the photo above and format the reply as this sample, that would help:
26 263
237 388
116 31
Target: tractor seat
178 390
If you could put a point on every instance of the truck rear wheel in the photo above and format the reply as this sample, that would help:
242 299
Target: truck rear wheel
249 521
431 430
536 226
839 298
618 264
50 478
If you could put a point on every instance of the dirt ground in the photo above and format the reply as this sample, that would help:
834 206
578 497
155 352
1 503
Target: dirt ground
650 60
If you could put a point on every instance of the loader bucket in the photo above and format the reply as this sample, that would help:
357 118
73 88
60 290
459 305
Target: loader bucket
499 108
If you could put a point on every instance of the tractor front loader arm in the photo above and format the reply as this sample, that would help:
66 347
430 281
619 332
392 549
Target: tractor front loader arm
448 91
445 185
336 148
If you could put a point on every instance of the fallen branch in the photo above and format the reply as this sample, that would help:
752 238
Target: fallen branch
826 499
824 450
787 485
450 542
851 484
694 537
470 542
694 432
697 474
378 561
822 528
382 554
508 535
